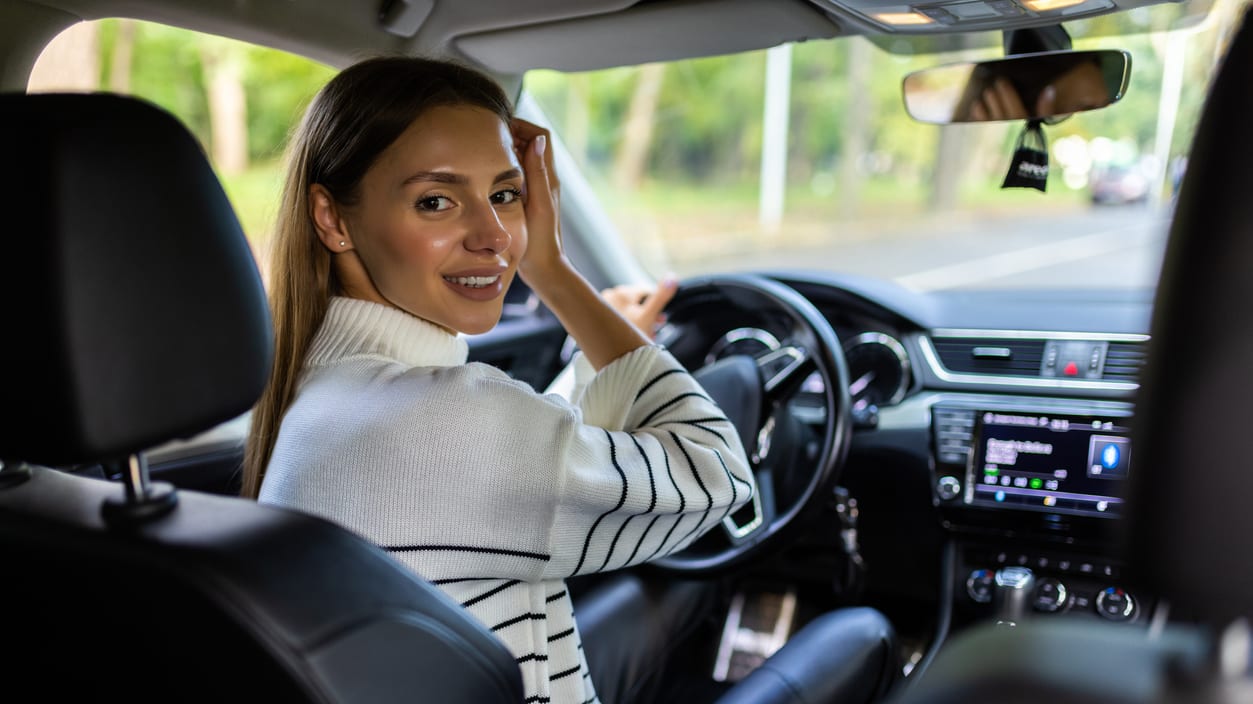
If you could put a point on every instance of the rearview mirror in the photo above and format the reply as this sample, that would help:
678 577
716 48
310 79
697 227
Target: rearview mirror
1026 87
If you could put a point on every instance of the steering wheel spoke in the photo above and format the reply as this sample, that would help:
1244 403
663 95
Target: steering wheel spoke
783 371
745 523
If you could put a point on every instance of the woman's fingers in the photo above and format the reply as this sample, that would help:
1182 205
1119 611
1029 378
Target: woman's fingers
642 305
524 136
542 200
656 301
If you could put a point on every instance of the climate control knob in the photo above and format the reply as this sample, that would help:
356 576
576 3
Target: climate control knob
948 487
980 585
1050 595
1115 604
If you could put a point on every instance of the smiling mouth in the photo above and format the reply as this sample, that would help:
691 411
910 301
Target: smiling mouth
473 281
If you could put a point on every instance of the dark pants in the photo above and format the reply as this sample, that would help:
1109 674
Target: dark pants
631 631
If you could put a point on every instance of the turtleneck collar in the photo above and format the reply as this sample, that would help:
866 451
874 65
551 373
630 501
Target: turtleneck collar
356 327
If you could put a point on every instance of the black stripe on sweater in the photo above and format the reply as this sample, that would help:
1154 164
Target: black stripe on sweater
490 592
731 482
538 657
652 502
613 544
467 548
656 379
555 597
709 499
670 403
621 500
564 673
558 636
698 424
537 699
682 505
518 619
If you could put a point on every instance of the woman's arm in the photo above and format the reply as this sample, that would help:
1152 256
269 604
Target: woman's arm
650 466
599 330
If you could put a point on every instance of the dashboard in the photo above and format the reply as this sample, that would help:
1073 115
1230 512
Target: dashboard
992 432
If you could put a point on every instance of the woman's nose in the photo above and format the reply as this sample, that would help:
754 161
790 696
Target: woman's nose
487 232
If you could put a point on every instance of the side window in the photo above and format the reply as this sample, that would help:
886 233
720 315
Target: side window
240 100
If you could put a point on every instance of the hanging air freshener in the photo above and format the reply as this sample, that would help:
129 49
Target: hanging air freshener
1030 166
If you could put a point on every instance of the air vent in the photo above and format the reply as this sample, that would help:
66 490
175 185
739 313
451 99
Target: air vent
1123 361
980 355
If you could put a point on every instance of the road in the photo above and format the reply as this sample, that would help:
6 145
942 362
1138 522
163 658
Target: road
1101 247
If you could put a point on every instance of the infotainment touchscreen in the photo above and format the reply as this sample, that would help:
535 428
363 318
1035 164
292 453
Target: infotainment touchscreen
1048 462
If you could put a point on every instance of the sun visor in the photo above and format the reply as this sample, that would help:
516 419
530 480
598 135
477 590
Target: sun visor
647 33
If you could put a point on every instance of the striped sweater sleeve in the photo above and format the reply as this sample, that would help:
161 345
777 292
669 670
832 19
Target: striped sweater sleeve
651 466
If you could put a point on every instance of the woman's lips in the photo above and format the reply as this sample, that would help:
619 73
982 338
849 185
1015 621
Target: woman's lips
477 286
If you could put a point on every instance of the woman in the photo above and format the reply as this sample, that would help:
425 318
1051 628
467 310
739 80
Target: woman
413 199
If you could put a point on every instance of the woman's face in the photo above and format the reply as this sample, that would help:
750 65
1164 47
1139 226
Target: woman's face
439 226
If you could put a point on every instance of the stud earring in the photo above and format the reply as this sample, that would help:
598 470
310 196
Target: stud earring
343 243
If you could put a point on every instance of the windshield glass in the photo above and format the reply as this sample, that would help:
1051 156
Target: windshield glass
803 157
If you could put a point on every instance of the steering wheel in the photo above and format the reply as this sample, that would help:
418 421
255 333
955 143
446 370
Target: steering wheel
756 391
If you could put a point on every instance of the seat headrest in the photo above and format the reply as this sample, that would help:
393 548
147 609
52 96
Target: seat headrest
135 311
1189 523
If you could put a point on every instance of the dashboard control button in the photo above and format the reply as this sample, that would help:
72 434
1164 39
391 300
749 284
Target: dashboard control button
1050 595
1115 604
948 488
979 586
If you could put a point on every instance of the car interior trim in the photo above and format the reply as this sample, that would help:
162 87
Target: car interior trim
1040 335
933 362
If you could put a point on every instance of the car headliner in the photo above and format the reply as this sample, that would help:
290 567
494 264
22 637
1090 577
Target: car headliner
506 37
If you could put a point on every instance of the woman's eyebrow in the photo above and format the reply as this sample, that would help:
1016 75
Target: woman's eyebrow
437 177
449 177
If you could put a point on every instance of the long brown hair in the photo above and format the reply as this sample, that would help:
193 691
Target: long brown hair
350 122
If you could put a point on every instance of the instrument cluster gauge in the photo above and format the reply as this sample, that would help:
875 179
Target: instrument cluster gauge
750 341
878 369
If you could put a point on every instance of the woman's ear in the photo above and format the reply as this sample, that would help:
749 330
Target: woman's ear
332 228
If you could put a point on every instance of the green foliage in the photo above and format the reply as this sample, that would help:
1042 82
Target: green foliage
279 86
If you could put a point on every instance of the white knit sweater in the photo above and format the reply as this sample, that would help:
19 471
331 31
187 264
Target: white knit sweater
497 493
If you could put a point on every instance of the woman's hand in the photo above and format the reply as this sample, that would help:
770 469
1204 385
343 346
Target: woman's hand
541 201
642 305
999 101
601 332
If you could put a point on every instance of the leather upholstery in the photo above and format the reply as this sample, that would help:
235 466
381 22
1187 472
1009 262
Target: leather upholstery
847 656
632 629
1189 526
133 272
143 319
224 600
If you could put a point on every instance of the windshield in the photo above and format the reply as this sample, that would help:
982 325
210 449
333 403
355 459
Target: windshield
803 157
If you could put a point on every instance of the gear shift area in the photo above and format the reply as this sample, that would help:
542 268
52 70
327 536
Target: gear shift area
1011 597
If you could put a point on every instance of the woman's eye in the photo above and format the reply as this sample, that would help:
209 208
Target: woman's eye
506 196
434 203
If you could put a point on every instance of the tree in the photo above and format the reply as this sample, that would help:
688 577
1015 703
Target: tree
637 134
222 62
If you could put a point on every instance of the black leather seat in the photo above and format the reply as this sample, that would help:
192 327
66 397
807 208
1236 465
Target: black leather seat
1189 529
135 315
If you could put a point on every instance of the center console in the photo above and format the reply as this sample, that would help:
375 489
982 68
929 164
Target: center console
1031 492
